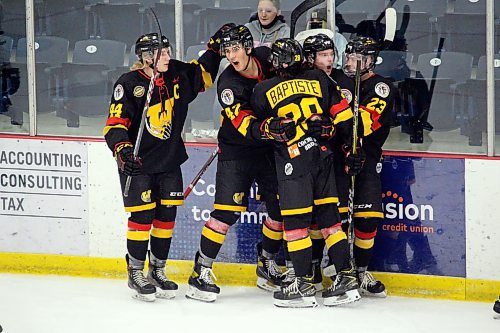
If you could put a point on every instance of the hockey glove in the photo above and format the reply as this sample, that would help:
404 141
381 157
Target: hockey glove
353 162
320 127
215 41
128 164
278 129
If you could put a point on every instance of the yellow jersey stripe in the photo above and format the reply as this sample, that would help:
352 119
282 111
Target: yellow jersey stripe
140 208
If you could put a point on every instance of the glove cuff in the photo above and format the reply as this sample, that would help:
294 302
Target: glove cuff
120 145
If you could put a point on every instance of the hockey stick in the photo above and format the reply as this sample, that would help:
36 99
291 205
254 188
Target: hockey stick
357 83
148 100
303 7
201 172
390 32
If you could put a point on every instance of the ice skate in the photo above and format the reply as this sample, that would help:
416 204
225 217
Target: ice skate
298 294
369 286
201 286
143 289
156 276
343 290
269 274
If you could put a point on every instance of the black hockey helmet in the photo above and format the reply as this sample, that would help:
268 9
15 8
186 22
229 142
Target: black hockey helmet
363 45
149 43
287 51
236 35
317 43
362 48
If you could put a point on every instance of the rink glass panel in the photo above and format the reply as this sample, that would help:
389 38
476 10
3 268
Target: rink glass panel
73 92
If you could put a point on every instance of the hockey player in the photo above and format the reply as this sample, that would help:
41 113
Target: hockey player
304 167
156 181
319 51
375 113
245 156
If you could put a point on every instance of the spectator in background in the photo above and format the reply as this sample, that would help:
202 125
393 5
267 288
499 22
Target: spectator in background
268 24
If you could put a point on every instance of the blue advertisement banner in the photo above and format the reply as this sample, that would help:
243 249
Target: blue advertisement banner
423 231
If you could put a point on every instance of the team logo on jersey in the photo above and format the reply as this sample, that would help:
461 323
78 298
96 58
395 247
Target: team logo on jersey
227 96
139 91
347 94
238 197
378 168
382 89
159 121
146 196
118 93
288 169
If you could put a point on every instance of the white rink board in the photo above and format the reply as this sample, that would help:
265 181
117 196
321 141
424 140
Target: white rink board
101 232
482 213
107 217
43 196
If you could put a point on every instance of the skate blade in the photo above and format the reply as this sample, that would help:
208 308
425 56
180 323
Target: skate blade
350 296
303 302
199 295
165 294
319 287
144 297
366 293
266 285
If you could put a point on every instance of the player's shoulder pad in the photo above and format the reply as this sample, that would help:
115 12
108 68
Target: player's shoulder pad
232 87
128 82
382 86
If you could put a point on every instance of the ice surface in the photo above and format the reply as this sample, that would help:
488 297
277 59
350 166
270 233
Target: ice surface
54 304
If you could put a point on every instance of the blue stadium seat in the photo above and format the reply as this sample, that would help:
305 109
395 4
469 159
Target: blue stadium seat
49 49
112 18
470 7
433 7
67 19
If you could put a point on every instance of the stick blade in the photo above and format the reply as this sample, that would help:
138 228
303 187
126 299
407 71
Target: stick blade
390 24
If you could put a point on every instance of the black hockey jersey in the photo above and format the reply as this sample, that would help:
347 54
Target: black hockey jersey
234 91
375 108
300 97
162 148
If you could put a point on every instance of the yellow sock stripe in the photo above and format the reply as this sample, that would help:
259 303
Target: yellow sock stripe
300 244
364 243
167 202
369 214
231 208
343 209
138 235
276 235
335 238
326 201
297 211
213 236
140 208
162 233
315 234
